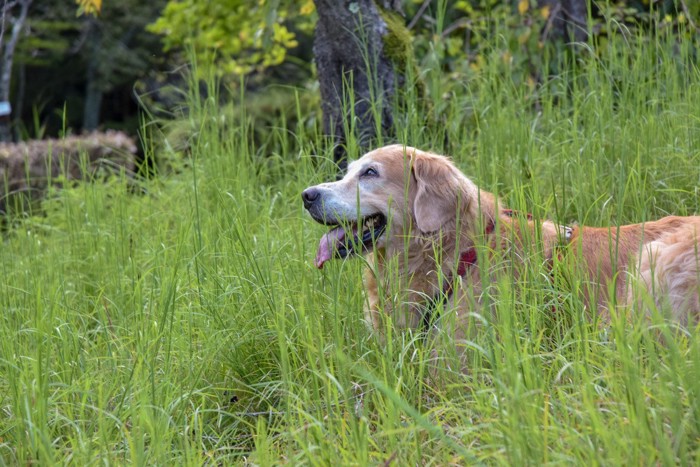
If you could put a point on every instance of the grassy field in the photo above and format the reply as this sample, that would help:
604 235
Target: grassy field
183 322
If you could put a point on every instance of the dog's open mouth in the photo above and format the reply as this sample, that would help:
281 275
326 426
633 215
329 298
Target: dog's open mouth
343 241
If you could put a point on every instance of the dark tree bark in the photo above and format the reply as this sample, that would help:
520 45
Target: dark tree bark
355 75
568 20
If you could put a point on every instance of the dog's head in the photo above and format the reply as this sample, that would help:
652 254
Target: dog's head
387 195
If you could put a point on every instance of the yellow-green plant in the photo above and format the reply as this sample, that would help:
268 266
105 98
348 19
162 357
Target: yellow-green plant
239 36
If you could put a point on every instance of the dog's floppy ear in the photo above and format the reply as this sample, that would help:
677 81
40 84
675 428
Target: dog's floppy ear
440 190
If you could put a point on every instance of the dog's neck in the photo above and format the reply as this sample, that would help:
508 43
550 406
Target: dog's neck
421 267
426 250
473 224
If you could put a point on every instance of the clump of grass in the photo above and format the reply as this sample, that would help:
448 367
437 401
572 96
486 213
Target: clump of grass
188 326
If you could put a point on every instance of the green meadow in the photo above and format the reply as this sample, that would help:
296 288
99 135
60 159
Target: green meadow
178 319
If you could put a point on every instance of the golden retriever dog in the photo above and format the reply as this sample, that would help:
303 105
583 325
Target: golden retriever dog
424 227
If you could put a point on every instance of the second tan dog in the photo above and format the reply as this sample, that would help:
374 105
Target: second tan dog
419 220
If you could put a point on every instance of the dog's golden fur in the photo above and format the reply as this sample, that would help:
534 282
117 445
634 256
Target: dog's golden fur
434 212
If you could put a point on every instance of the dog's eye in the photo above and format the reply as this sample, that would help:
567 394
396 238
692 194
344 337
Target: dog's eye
369 172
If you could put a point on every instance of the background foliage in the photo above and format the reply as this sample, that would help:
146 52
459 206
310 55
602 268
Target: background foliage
63 54
270 42
241 36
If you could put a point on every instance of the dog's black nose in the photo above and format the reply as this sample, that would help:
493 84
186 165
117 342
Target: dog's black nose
309 196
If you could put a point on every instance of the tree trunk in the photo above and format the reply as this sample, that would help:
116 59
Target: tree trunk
20 92
93 101
8 55
568 20
356 77
93 90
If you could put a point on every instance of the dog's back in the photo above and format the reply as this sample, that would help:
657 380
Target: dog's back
657 261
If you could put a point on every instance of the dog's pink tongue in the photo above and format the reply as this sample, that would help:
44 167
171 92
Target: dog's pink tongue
328 245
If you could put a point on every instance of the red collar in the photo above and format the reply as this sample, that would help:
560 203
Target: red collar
467 259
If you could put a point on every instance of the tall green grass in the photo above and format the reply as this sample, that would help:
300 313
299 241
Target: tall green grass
184 323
